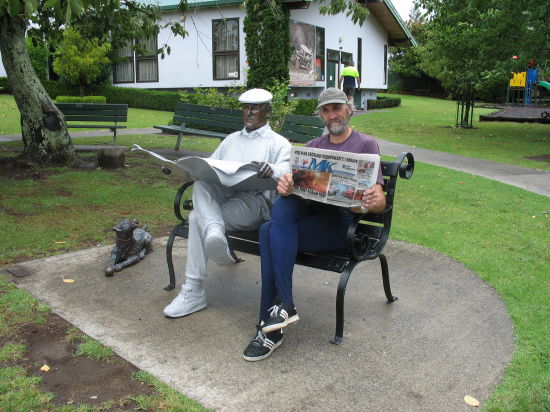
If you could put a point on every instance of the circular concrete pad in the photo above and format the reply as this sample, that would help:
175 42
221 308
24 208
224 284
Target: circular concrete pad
447 336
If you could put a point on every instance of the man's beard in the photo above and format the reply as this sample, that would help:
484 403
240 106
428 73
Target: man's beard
337 128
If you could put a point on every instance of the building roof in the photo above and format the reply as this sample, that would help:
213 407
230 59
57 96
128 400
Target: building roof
389 18
382 10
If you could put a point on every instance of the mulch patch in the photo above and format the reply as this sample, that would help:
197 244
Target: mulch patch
74 379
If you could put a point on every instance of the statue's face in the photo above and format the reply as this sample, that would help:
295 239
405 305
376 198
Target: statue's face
255 115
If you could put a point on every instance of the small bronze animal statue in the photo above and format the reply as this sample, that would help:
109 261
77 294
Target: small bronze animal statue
132 244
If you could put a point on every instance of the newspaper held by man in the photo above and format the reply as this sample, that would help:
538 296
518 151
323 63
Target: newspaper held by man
329 176
237 175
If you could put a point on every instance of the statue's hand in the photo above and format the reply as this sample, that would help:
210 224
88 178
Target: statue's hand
265 169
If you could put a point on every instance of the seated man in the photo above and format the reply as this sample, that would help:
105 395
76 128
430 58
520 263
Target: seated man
299 225
219 208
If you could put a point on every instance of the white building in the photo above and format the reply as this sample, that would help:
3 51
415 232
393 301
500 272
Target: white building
213 55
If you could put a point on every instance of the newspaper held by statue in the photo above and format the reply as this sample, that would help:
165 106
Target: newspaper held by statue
237 175
329 176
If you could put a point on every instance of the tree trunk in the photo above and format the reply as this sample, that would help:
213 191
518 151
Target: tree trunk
45 136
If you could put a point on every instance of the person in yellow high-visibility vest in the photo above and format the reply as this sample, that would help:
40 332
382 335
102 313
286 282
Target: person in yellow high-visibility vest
351 79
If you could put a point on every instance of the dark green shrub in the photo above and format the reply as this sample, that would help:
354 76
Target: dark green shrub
382 102
81 99
305 107
139 98
5 86
212 97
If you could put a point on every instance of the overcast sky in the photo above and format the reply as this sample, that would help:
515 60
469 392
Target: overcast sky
403 7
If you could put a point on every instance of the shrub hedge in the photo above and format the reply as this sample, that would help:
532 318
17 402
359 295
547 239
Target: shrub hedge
81 99
306 107
382 102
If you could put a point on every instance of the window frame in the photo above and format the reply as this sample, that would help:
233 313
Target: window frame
129 58
149 57
236 52
320 53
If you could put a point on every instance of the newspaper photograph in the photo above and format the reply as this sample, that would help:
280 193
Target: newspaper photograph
336 178
237 175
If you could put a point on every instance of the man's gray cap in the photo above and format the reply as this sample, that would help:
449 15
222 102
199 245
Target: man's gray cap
256 96
332 95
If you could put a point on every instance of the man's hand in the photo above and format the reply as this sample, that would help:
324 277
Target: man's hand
374 199
265 169
285 184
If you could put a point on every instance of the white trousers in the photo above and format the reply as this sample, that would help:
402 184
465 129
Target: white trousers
222 206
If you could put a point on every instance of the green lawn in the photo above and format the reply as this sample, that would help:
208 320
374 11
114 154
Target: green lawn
498 231
137 118
427 123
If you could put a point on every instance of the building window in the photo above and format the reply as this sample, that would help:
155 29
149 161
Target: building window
319 53
346 58
147 63
225 49
385 64
141 65
124 69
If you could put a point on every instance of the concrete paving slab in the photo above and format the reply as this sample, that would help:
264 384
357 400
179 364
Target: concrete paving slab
447 336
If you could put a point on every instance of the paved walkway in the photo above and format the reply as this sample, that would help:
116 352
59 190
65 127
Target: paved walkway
448 335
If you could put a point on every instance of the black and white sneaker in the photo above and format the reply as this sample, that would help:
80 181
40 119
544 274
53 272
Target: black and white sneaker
262 345
280 317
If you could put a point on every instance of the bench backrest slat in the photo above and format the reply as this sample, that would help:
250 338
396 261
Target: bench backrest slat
193 115
302 129
94 112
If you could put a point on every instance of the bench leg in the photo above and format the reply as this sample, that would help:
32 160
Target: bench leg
178 142
340 295
169 260
386 278
114 137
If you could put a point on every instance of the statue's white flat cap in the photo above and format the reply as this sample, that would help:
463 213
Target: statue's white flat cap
256 96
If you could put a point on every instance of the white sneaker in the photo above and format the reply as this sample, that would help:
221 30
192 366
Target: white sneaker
216 248
191 299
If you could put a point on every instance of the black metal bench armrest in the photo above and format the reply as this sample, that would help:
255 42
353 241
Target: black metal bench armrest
187 203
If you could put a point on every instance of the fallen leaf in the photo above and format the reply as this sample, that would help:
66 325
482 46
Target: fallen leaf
68 280
45 368
471 401
60 243
460 183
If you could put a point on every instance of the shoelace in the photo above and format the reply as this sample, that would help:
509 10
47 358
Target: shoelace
277 311
260 338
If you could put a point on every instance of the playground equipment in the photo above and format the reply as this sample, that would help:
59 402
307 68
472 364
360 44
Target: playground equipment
522 88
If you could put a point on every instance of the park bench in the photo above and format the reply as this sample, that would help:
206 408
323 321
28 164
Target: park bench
192 119
110 115
367 236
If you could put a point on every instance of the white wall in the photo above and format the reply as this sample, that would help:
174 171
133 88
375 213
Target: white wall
190 63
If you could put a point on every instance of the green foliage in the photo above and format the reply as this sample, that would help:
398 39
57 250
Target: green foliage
281 105
19 392
382 102
81 99
78 59
353 9
5 86
305 107
38 53
267 42
145 99
212 97
92 349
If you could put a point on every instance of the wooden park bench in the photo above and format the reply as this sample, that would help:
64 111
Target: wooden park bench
367 236
88 114
194 119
